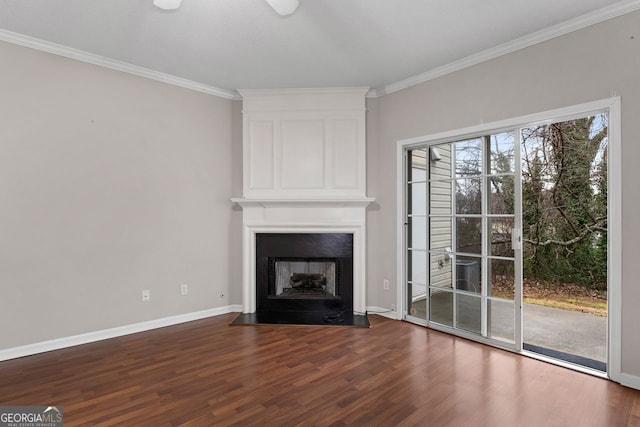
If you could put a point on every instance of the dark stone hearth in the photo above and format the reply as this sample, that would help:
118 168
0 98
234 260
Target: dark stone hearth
313 318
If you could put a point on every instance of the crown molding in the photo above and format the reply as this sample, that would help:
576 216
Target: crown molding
546 34
80 55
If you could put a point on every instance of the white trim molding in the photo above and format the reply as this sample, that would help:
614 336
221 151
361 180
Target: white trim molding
628 380
59 343
90 58
318 203
614 252
384 312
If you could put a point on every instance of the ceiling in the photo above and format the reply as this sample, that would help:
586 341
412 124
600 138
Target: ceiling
230 44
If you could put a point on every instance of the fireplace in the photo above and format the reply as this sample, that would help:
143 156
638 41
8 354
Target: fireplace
303 200
304 272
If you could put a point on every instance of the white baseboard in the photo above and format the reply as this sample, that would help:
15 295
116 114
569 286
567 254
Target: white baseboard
628 380
56 344
385 312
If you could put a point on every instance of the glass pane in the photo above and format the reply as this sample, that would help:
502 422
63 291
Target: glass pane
500 235
441 270
469 235
418 202
441 233
440 197
446 259
469 196
418 267
502 152
418 232
417 300
468 157
418 161
304 278
469 313
501 320
501 278
500 195
440 163
441 307
468 274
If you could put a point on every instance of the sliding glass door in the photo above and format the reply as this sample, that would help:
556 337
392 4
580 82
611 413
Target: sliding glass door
462 238
511 234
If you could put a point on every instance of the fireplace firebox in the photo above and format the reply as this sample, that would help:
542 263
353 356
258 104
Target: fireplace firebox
304 272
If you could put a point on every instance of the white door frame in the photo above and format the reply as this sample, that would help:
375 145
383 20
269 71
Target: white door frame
614 214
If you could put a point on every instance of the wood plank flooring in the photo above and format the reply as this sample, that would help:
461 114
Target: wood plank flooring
394 374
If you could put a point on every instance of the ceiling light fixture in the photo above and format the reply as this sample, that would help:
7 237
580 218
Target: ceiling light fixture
283 7
167 4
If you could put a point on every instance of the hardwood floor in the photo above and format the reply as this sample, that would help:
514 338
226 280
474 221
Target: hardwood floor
394 374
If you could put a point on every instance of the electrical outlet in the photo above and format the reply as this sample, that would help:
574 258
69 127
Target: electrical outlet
146 295
184 289
385 284
393 307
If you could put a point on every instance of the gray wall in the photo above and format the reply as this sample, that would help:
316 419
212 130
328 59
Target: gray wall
583 66
111 184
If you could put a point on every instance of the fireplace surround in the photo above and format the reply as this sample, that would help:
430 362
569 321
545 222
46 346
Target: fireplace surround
304 272
273 217
304 173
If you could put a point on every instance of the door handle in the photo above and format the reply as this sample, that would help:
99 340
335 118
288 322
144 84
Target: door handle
516 238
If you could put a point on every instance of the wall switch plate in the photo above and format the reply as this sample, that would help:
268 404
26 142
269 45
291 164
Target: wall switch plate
184 289
146 295
385 284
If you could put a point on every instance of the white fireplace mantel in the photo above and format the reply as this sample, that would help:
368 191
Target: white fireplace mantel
303 216
304 203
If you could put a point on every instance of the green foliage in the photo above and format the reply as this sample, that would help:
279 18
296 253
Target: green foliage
564 198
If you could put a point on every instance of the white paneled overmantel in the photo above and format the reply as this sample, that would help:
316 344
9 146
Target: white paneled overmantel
304 171
304 143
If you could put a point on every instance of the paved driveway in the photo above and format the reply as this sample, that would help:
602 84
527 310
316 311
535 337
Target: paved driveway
572 332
